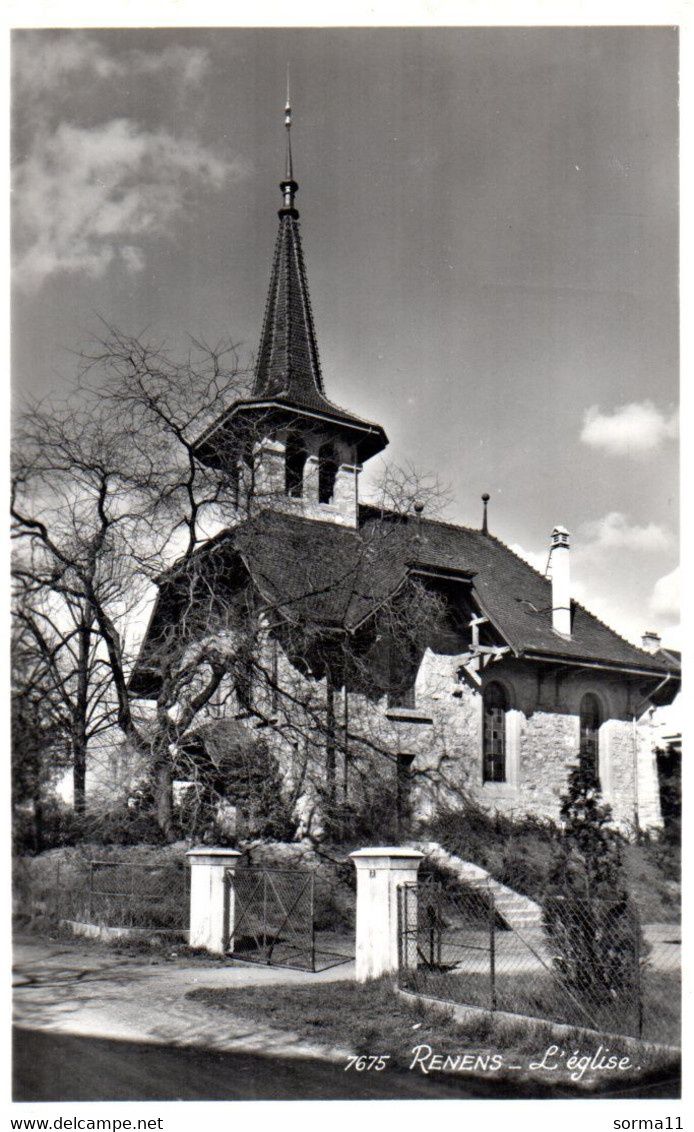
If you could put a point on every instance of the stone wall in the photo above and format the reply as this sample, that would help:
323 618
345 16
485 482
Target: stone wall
265 484
442 737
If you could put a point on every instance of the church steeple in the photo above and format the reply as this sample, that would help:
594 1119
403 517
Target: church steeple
307 451
288 362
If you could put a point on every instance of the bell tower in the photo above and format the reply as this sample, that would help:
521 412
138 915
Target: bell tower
292 449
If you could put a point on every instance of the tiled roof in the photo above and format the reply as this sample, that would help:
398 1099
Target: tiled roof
288 360
288 366
518 601
340 582
288 372
336 577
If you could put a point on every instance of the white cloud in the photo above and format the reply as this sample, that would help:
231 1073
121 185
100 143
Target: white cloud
634 429
613 531
40 64
665 599
538 560
82 196
133 258
43 63
189 63
612 578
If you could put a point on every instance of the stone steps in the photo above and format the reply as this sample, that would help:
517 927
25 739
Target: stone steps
518 911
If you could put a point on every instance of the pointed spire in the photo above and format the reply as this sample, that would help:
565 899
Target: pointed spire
288 359
288 370
288 186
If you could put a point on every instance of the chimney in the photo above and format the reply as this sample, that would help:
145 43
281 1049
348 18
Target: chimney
650 641
561 582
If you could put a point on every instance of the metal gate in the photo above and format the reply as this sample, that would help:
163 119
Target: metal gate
273 917
442 931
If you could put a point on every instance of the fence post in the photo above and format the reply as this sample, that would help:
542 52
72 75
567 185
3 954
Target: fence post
401 895
211 899
380 872
636 927
492 951
265 916
313 925
439 929
90 914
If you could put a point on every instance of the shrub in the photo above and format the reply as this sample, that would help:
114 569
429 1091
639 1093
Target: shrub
371 817
130 820
330 913
224 763
59 825
516 852
588 915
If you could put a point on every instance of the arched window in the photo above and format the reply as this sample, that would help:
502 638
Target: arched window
494 758
591 718
295 458
327 470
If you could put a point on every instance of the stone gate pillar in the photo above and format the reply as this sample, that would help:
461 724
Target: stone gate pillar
380 872
211 898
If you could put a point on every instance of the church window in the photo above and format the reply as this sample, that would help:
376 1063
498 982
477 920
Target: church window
327 471
403 666
295 458
590 720
494 751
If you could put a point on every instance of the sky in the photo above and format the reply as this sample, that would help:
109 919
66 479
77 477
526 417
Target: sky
490 224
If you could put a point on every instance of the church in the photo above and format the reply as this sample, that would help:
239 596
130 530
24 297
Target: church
380 650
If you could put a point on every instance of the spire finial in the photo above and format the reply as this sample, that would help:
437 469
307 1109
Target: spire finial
288 186
288 173
485 501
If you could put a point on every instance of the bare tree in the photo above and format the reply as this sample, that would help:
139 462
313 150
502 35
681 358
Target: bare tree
103 486
67 570
111 497
40 739
399 489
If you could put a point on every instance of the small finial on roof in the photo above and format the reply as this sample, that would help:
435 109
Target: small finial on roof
288 126
485 500
288 186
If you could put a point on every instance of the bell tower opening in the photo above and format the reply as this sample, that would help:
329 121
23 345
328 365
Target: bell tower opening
295 459
308 452
327 472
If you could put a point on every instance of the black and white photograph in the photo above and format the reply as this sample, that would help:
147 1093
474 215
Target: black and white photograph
346 723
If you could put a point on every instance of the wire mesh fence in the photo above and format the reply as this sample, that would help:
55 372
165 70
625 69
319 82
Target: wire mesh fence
151 896
35 886
585 963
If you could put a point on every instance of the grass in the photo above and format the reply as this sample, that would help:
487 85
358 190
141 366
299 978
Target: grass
537 994
372 1019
